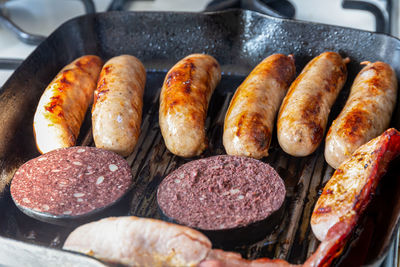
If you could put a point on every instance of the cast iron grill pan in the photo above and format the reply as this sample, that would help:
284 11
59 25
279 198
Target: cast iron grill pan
239 40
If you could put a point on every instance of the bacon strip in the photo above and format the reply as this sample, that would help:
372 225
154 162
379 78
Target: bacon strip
347 194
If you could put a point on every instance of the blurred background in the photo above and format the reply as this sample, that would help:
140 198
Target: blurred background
24 23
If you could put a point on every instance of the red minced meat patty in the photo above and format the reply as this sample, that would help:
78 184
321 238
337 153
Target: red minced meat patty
221 192
71 181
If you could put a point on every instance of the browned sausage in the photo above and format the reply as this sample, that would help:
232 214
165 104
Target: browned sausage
366 114
136 241
249 120
62 107
118 102
304 112
184 100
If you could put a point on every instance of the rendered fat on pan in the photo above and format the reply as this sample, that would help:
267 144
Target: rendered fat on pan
366 114
63 104
184 99
250 118
304 112
118 102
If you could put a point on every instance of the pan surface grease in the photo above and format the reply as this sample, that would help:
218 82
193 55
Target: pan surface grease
234 39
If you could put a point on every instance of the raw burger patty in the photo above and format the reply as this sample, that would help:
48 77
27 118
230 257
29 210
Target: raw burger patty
221 192
71 181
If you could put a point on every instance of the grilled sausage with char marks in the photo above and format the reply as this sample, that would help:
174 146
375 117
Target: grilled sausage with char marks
250 118
118 102
63 104
366 114
304 111
184 100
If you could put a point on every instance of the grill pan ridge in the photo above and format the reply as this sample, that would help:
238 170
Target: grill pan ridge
239 40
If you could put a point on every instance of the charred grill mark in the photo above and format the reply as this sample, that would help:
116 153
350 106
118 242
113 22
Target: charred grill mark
255 127
313 108
183 75
86 63
311 115
323 210
328 192
64 80
338 72
55 102
355 124
51 107
283 70
100 91
375 84
169 78
240 125
187 86
107 69
190 68
80 64
102 83
317 132
259 132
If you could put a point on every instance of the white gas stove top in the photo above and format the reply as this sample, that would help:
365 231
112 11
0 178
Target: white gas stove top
44 16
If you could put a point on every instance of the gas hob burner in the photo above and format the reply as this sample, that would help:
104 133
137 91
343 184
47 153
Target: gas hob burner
381 9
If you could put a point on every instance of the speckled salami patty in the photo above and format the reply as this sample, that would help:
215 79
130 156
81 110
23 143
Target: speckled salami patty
221 192
71 181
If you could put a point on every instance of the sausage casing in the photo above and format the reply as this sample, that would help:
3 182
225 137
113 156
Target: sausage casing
184 99
137 241
118 102
366 114
63 104
304 112
250 117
